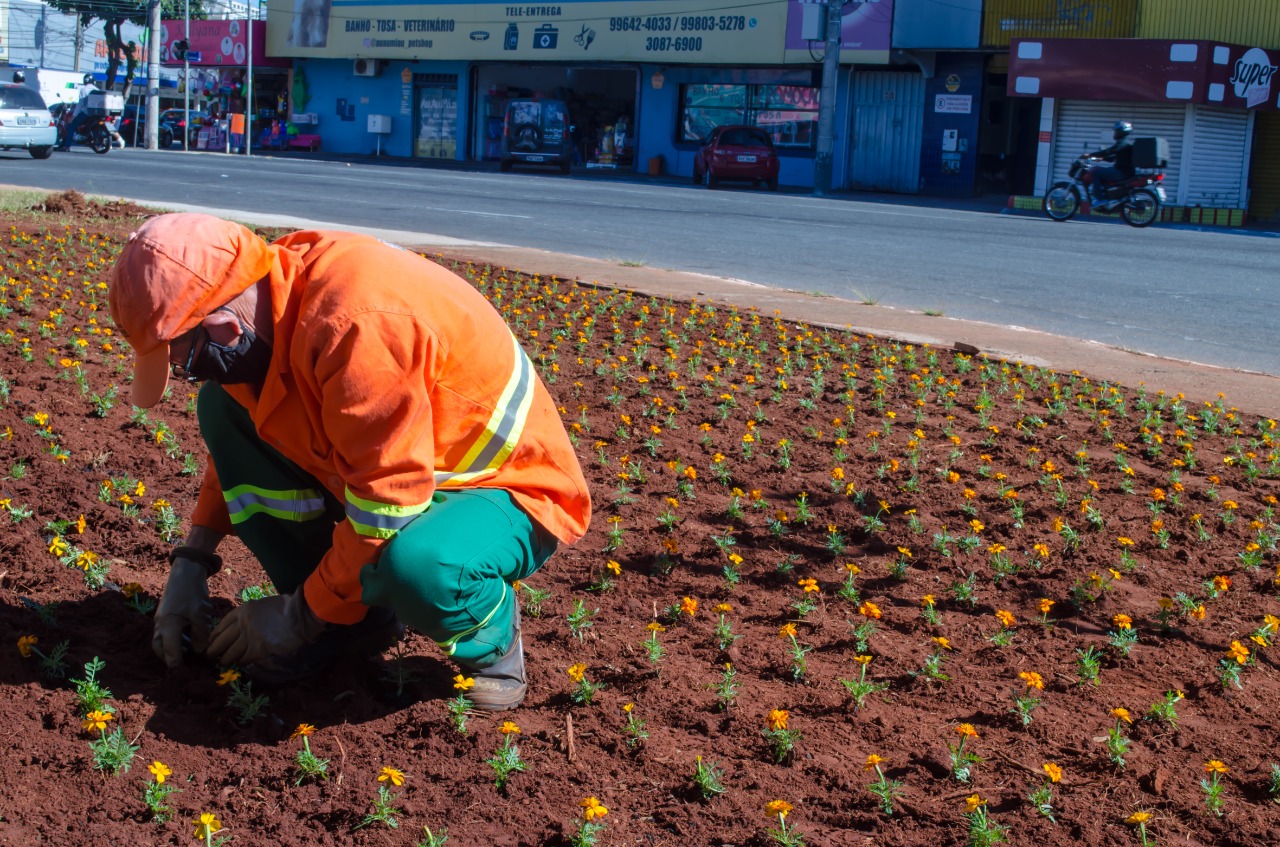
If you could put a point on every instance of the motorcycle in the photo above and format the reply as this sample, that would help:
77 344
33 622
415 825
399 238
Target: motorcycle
96 132
1139 197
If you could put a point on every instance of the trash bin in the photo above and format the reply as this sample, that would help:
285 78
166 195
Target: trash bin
655 166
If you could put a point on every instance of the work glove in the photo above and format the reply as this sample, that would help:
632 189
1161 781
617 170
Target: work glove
270 628
183 606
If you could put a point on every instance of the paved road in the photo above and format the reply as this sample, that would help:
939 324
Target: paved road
1208 297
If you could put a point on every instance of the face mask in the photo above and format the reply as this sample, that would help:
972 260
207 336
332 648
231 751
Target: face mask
246 362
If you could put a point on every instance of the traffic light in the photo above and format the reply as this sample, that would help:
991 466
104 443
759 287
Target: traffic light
179 49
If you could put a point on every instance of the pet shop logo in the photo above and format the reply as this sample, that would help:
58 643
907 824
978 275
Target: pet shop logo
1252 77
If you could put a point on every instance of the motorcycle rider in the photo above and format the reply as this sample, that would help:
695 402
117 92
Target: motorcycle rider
1119 159
81 111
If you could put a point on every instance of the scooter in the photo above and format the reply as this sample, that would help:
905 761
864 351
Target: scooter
1137 199
96 132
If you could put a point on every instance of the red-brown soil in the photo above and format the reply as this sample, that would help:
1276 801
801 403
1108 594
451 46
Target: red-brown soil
994 424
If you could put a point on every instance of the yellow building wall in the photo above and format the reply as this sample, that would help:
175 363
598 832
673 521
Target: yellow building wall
1003 20
1253 23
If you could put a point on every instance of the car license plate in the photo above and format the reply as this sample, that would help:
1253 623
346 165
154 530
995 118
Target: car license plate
28 121
746 158
535 158
1160 193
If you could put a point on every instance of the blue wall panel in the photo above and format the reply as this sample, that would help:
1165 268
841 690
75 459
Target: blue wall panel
337 97
934 25
942 173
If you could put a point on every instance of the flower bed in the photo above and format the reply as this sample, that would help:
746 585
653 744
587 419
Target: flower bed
837 588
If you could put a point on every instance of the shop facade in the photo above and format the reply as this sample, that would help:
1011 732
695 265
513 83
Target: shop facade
234 85
1204 97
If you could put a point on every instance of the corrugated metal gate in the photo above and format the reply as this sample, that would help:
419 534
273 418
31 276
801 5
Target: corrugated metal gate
888 114
1083 126
1264 176
1215 170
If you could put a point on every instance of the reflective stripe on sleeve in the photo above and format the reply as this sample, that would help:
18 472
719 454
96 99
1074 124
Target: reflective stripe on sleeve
502 432
380 520
245 501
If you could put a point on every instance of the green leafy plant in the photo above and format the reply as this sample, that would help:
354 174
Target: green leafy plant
306 765
884 788
506 759
382 809
156 794
862 688
707 779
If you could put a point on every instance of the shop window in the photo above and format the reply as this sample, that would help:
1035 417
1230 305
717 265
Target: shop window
788 113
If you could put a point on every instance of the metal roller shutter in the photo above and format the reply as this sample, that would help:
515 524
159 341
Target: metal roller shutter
1214 176
1082 126
888 121
1264 170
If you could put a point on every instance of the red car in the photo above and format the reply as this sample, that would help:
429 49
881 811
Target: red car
736 152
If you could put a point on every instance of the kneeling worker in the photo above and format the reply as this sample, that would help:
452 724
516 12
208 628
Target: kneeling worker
377 438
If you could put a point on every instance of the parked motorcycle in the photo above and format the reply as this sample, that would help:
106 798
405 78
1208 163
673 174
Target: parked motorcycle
96 132
1140 195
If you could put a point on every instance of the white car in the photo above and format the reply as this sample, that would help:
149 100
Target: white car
25 122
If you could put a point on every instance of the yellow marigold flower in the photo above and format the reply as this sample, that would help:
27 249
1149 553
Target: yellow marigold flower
509 728
967 730
613 567
463 683
160 771
206 826
996 548
1197 612
1044 604
853 569
722 608
1157 495
1230 505
57 546
735 559
1120 713
777 719
872 761
392 776
953 477
837 473
303 730
1042 550
905 551
97 720
779 808
976 525
788 630
228 676
1215 766
577 672
1032 679
1221 583
869 610
1238 652
689 606
968 494
627 707
1011 494
862 660
81 524
1138 818
25 645
941 641
1054 772
972 802
928 600
1122 621
654 626
1165 603
592 809
809 585
1006 618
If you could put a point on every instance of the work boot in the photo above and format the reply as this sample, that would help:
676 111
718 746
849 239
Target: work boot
502 685
377 632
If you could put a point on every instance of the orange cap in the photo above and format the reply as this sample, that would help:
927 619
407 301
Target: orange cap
171 274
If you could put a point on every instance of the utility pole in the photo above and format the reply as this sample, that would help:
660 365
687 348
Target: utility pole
153 74
75 65
827 103
186 74
248 86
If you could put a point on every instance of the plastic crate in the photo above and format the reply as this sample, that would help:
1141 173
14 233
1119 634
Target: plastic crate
102 103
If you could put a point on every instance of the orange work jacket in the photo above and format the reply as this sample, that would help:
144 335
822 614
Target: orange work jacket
391 377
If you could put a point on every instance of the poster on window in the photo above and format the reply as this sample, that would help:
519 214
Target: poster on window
437 123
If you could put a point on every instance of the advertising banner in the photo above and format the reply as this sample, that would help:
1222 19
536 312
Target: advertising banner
219 43
866 31
675 31
1146 71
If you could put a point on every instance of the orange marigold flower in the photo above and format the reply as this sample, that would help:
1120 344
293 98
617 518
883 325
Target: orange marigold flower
1215 767
1006 618
777 719
1221 583
1122 621
1032 679
967 730
873 761
1238 652
1054 772
788 630
689 606
1044 604
869 610
778 808
1122 714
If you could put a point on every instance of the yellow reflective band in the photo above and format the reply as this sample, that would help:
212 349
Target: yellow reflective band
245 501
380 520
502 432
450 645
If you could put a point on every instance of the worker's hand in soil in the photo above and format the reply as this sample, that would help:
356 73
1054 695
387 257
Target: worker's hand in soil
184 608
273 627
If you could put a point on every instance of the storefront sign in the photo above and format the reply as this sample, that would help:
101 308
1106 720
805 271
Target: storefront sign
1145 71
866 30
217 43
685 31
953 104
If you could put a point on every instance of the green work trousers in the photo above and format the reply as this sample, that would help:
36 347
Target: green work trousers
448 574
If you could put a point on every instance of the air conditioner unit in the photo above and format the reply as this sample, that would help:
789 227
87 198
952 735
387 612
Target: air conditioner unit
366 67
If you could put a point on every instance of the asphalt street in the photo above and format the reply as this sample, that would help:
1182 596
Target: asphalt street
1203 296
